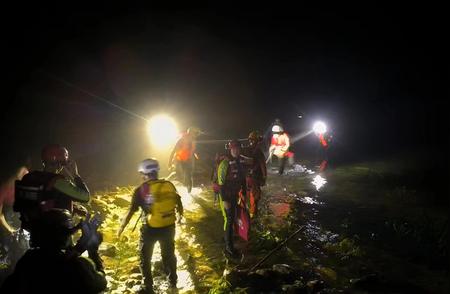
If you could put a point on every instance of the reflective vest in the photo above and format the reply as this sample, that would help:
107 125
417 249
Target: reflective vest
230 173
281 144
162 197
235 170
323 141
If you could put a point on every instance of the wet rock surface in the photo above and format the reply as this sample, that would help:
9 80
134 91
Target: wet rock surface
351 242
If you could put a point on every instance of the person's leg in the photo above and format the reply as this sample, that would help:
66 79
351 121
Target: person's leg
282 165
179 171
291 160
189 179
250 195
146 245
256 195
230 213
167 242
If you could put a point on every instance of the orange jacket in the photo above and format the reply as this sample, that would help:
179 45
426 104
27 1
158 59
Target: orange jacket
185 148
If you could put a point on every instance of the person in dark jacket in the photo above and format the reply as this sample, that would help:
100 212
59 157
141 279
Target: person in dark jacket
58 185
231 181
53 265
256 172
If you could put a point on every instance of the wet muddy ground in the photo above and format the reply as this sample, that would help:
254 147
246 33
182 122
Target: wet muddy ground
364 231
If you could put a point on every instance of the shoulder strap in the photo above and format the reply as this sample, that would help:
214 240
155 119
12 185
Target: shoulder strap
144 189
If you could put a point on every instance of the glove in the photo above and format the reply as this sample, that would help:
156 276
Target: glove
90 239
79 209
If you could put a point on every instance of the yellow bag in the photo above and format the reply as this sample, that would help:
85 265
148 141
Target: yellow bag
164 200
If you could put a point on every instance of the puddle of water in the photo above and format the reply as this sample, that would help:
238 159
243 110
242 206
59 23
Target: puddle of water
309 200
184 281
188 199
319 182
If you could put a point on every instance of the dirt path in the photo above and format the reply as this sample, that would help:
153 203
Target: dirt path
336 252
198 246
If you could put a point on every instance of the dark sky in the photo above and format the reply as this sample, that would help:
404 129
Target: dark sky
376 75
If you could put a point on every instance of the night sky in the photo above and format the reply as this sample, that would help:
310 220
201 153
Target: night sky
376 75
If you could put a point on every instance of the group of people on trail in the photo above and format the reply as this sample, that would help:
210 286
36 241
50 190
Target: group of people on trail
237 180
239 175
49 202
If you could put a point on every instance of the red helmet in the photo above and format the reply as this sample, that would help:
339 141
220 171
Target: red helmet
54 153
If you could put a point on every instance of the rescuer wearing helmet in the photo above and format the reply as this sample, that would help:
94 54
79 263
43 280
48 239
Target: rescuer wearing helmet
325 137
231 181
279 147
158 200
183 154
53 265
57 186
257 171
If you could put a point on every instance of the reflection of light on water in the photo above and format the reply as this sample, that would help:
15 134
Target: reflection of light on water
188 198
319 182
185 283
184 280
309 200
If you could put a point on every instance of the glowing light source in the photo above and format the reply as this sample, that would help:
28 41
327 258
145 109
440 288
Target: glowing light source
162 130
320 128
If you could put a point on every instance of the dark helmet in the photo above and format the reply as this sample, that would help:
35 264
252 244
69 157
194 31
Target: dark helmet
54 153
53 228
194 131
254 136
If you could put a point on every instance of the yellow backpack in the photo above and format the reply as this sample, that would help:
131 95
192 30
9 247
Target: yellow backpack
164 200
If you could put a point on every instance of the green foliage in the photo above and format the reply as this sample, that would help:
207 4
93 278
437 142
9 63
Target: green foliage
220 286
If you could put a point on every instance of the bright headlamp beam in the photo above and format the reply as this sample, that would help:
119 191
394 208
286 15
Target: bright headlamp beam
162 130
319 128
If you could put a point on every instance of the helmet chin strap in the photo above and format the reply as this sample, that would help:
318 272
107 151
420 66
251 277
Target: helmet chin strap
151 176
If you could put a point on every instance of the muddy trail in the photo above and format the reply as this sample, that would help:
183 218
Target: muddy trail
367 229
348 243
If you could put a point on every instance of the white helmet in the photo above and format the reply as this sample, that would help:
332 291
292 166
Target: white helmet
277 129
148 166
